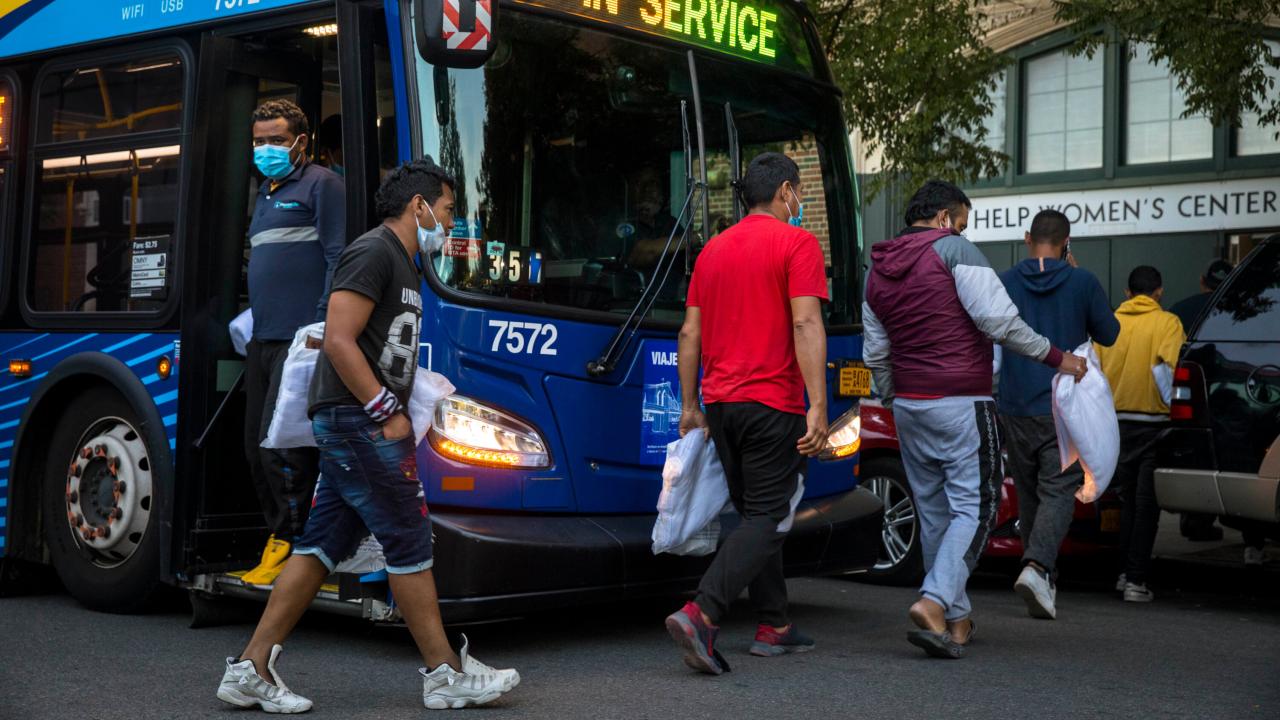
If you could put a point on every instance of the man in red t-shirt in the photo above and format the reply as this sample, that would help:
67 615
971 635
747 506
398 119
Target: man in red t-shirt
754 325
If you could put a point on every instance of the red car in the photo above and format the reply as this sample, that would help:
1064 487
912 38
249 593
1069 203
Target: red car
1095 528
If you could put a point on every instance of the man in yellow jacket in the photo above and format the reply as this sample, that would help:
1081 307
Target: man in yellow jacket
1149 343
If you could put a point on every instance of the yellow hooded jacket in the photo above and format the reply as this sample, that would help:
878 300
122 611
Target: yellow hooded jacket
1148 336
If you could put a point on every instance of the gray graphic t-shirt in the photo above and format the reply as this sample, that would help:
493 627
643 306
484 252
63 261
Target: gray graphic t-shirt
377 266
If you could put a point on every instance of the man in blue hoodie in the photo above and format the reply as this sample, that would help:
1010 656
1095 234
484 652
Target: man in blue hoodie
1068 306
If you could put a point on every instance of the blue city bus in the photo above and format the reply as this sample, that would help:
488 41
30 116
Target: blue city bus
594 142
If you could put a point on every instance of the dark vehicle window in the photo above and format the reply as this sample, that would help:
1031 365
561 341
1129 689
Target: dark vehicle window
109 100
105 209
1249 308
569 153
6 152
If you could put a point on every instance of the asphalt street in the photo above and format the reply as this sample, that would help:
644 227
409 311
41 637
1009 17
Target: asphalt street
1209 647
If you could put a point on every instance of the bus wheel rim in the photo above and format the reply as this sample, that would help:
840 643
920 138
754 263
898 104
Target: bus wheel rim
109 492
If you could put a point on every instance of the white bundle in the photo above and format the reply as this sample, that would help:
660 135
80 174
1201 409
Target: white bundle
1084 415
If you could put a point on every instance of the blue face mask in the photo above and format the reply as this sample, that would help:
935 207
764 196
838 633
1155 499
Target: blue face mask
430 241
273 160
797 219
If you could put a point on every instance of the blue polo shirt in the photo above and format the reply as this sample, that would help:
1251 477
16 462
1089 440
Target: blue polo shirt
297 234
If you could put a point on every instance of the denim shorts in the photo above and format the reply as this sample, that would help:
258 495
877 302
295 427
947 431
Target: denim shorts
368 484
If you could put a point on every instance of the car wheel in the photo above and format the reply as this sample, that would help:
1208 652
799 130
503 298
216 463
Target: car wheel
899 561
98 504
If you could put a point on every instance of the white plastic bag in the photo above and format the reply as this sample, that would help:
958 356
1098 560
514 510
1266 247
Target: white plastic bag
367 558
1084 415
290 426
429 388
694 492
241 329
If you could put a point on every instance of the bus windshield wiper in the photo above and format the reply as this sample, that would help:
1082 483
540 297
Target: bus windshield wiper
735 162
695 197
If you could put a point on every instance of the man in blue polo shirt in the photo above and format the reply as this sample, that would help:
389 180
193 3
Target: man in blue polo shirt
297 234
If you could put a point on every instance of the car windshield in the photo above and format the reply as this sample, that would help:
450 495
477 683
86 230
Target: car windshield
570 155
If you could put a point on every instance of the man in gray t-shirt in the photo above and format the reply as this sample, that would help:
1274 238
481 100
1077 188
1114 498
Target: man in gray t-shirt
377 268
368 458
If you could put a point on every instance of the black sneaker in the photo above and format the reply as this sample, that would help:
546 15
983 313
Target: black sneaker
770 642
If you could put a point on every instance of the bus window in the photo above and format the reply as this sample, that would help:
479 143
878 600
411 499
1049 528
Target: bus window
103 232
6 161
100 101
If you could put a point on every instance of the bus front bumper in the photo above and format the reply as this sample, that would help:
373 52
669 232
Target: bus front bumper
489 565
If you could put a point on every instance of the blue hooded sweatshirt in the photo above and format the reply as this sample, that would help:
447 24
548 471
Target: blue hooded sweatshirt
1066 305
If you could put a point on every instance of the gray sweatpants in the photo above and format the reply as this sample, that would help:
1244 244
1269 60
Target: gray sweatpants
951 452
1046 492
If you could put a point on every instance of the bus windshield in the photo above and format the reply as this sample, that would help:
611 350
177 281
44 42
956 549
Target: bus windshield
569 152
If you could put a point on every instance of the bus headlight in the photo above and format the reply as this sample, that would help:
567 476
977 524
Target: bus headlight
845 436
472 432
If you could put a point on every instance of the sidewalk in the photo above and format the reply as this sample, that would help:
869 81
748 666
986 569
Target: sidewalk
1225 553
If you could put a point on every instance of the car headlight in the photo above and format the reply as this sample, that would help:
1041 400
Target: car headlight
472 432
844 437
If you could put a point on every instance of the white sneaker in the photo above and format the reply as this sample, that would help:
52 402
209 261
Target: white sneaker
444 688
1254 557
1037 592
242 686
472 666
1134 592
1120 583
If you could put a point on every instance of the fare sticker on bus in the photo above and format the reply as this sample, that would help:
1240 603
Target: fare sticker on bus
758 30
150 267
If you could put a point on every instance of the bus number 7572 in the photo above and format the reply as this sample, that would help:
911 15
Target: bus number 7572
518 341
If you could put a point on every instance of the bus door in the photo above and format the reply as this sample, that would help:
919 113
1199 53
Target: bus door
225 527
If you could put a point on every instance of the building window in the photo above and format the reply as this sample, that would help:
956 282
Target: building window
994 122
1252 138
1156 130
1063 111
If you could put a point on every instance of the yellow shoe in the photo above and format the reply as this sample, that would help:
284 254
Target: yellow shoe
273 558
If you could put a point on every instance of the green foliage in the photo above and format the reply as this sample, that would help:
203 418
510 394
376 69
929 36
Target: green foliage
917 83
1216 50
917 78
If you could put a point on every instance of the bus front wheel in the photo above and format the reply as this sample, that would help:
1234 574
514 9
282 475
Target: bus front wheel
99 497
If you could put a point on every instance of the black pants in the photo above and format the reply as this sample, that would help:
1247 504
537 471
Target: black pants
284 479
757 446
1046 492
1135 480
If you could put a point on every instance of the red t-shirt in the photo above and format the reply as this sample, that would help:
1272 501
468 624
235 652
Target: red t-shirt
743 284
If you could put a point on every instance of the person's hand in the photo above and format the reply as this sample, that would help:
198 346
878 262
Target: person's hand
1073 365
815 436
397 428
692 419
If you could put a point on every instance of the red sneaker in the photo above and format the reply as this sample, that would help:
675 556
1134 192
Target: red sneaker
770 642
697 639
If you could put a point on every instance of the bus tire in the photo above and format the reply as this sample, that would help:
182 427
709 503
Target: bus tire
98 502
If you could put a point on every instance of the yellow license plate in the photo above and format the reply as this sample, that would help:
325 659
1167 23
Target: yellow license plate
854 382
1111 520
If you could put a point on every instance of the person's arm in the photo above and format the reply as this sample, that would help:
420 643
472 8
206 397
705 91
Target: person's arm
330 202
349 312
988 304
811 354
688 360
875 353
1172 341
1104 328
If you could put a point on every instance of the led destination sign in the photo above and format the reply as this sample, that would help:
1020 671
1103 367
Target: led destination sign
751 29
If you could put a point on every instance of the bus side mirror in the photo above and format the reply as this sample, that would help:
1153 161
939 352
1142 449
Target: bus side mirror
456 33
